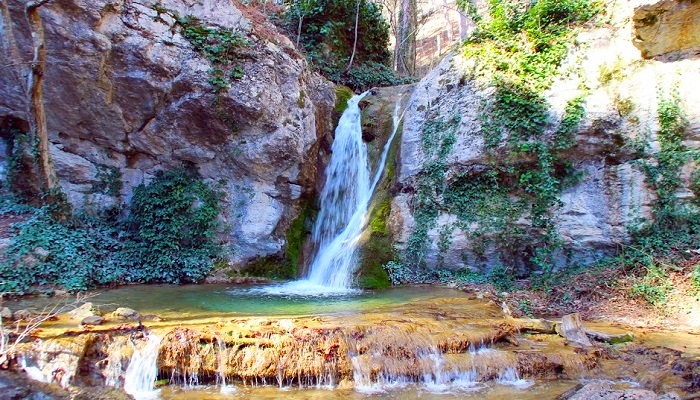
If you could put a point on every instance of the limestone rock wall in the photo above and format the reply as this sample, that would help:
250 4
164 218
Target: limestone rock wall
597 212
126 92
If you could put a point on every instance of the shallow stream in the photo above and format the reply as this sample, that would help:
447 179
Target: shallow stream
412 342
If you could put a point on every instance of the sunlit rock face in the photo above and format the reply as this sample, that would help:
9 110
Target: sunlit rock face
125 91
667 27
597 212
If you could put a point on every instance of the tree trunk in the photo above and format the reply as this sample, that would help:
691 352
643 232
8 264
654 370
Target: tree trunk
406 39
462 25
301 20
35 100
354 45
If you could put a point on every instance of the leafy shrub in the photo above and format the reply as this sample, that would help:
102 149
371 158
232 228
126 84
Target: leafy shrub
653 286
168 237
76 254
171 229
371 74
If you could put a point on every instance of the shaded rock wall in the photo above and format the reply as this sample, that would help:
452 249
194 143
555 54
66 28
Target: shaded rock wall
126 93
621 108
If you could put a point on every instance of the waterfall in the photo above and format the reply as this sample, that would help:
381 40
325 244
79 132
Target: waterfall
344 202
141 374
344 199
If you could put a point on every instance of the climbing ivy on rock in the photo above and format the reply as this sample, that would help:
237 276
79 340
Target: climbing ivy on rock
439 137
508 201
222 47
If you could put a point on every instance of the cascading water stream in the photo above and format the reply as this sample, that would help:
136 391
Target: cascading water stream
345 199
140 375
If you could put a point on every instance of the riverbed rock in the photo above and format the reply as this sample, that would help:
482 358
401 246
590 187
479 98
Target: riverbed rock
126 313
6 314
151 317
81 312
16 386
602 390
22 315
597 211
92 320
127 96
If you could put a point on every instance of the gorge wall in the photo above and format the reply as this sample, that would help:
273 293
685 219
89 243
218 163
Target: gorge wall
131 89
621 88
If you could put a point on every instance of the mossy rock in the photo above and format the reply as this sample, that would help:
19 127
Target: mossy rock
272 267
342 95
378 250
296 237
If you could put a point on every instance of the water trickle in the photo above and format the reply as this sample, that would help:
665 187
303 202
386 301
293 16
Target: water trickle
32 371
140 375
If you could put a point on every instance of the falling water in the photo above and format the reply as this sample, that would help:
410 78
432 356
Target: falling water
142 371
344 202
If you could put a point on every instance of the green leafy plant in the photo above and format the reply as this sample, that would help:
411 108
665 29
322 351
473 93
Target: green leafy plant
171 228
224 48
169 236
654 286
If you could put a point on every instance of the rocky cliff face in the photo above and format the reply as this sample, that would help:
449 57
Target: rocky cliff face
621 91
128 94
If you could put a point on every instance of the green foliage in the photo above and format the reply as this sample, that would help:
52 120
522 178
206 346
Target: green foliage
439 137
520 47
168 237
109 180
526 43
328 34
508 201
171 229
371 74
75 254
654 285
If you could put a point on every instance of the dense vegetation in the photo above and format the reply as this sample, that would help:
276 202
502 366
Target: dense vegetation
168 236
327 35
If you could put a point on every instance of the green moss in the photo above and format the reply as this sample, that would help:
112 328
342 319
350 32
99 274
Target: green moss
378 250
296 236
272 267
300 100
342 95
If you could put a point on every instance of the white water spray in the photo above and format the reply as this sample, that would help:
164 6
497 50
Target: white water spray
140 375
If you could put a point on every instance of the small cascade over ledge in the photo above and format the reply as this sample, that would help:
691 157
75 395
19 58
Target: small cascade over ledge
140 375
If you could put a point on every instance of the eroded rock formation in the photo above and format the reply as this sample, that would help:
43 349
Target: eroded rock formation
128 95
668 26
